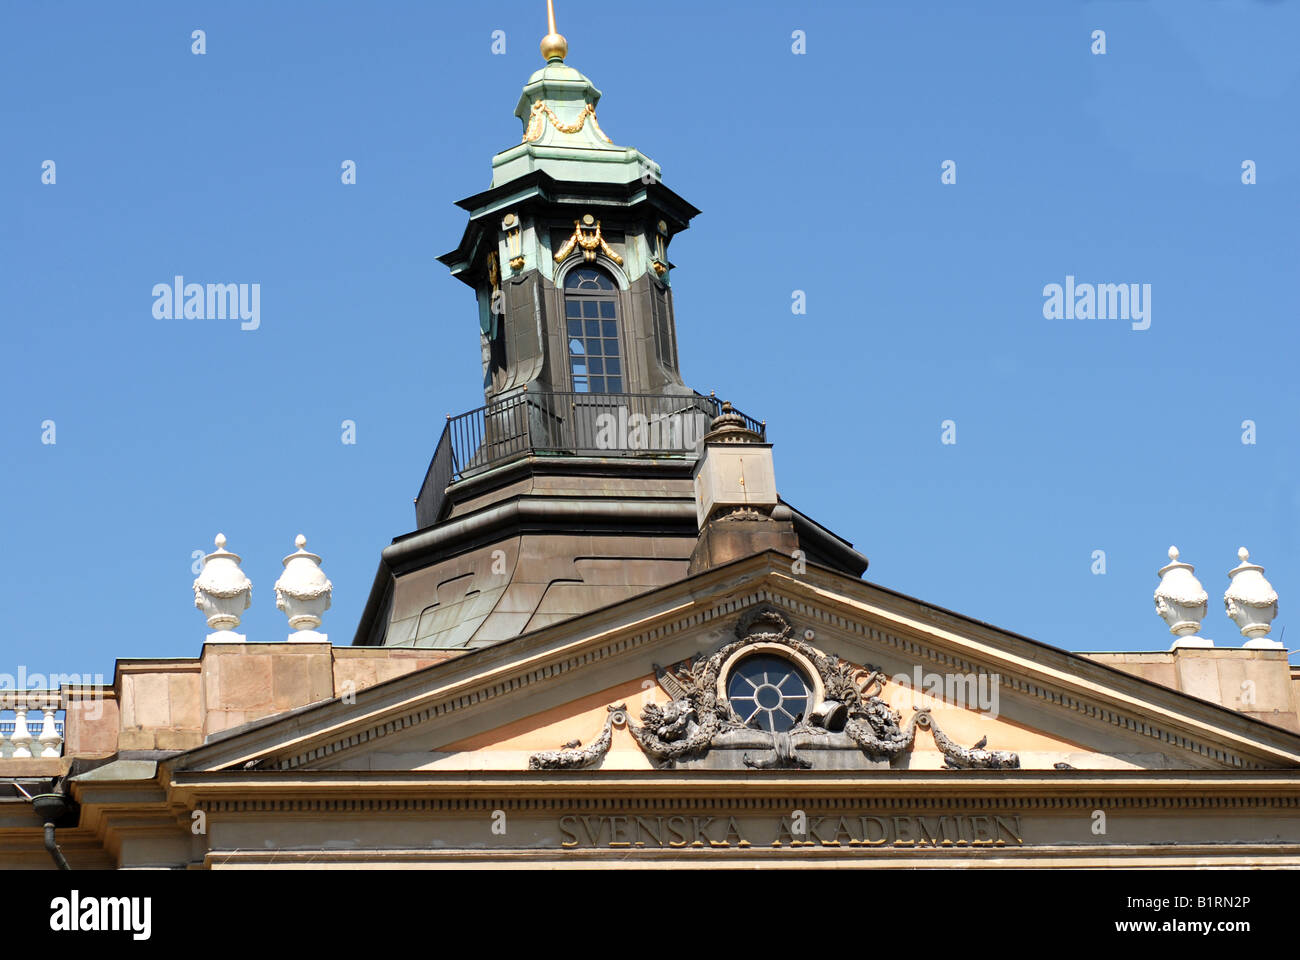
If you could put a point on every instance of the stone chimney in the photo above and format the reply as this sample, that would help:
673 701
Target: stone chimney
736 504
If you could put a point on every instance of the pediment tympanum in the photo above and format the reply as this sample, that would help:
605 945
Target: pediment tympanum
769 699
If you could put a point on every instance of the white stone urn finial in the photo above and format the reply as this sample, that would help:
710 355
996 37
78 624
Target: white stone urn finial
1251 602
1182 602
223 593
303 592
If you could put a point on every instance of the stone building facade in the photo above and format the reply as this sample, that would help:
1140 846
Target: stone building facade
610 641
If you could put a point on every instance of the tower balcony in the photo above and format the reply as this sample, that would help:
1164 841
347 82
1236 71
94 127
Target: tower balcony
566 424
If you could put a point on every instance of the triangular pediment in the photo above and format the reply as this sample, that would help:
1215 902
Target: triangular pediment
644 684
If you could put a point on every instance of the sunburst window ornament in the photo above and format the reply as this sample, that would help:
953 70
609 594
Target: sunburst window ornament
769 692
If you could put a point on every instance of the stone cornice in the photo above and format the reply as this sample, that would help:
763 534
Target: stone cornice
1092 691
539 190
114 813
1162 856
153 665
330 791
1052 676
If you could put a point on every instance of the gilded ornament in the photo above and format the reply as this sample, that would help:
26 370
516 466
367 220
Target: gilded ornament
494 274
554 46
660 260
541 112
589 241
514 240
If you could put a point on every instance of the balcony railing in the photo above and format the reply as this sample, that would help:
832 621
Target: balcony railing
34 730
566 424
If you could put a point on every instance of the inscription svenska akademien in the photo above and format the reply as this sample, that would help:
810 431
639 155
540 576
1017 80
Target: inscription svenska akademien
956 830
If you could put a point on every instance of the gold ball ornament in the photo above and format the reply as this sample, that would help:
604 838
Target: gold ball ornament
554 46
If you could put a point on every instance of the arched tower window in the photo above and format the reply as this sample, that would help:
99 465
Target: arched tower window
591 312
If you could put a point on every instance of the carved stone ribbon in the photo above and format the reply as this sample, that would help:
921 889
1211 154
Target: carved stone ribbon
574 756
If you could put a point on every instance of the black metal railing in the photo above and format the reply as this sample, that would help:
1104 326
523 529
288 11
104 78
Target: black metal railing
566 424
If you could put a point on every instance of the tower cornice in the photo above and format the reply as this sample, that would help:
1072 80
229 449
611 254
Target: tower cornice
539 190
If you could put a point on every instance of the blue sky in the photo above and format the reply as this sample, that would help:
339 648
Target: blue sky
817 172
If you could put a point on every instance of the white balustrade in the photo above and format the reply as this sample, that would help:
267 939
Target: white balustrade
17 739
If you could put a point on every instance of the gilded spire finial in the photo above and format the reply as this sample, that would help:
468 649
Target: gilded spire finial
554 46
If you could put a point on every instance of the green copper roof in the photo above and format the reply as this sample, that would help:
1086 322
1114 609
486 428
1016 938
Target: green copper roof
562 136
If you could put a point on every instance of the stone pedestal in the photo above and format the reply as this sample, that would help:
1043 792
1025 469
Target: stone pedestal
731 537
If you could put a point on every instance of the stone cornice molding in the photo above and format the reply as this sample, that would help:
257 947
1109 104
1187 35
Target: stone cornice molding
115 813
151 818
1071 681
1091 690
775 791
1163 856
139 665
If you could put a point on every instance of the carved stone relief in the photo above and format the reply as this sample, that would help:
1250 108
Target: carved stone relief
574 756
849 714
